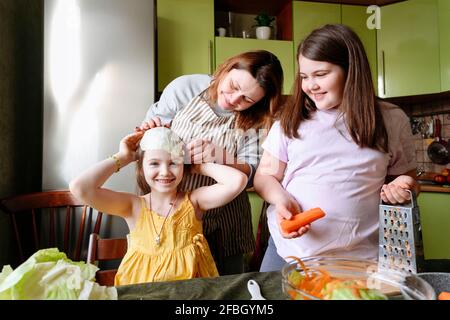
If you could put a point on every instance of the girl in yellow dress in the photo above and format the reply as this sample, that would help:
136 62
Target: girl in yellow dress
166 241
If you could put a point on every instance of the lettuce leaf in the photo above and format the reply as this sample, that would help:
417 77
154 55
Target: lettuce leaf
372 294
295 278
49 274
350 290
342 294
346 292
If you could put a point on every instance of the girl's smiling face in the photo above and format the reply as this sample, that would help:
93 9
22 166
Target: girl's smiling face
238 91
163 172
323 82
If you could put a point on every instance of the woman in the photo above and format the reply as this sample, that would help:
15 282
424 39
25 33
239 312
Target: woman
206 112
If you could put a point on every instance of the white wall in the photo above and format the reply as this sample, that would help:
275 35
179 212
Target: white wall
98 84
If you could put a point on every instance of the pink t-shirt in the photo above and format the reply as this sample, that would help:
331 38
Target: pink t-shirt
326 169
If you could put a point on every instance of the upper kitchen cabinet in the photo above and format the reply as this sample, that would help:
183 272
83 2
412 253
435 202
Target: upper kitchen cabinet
227 47
185 38
308 16
444 34
408 49
273 6
356 18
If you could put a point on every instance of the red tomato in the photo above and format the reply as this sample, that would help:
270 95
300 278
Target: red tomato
445 172
440 179
448 179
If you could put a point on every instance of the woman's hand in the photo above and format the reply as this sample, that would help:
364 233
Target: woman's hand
129 144
204 151
285 209
397 190
150 124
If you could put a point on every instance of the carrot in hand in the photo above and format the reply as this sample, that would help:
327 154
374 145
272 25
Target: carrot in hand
301 219
444 296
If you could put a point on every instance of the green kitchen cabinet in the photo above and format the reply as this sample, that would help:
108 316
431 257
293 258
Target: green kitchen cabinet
444 35
434 210
308 16
185 38
356 18
408 49
227 47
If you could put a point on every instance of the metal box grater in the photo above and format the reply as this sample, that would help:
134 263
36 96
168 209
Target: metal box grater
400 237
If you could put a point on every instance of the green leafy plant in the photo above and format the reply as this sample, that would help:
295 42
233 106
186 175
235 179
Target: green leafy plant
264 20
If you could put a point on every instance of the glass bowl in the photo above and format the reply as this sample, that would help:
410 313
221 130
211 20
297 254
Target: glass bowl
393 285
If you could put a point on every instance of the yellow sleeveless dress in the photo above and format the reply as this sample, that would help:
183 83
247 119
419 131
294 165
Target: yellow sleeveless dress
183 252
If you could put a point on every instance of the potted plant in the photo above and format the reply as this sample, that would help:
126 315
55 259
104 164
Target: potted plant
263 26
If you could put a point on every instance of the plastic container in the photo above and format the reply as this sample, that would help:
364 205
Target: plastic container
394 285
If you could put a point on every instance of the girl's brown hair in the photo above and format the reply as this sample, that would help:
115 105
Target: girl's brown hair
339 45
266 69
143 186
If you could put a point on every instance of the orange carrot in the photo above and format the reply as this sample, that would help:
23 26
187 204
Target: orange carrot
301 219
444 296
313 283
301 264
320 283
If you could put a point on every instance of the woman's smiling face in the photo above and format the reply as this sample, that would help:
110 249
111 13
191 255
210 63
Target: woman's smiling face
238 91
323 82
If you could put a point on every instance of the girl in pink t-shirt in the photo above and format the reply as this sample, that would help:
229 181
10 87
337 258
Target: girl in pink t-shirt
335 146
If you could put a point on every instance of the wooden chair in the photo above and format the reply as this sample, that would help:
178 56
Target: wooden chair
49 219
262 240
103 250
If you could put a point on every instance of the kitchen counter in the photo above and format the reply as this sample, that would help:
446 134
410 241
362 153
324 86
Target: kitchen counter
434 188
427 183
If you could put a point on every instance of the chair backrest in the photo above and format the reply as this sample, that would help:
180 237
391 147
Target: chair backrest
262 240
50 219
103 250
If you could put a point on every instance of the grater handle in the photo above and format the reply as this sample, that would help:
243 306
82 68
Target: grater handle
413 199
413 202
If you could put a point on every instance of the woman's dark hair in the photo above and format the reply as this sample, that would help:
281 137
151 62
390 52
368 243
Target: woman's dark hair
266 69
339 45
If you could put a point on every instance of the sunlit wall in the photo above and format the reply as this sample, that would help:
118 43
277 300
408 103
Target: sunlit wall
98 83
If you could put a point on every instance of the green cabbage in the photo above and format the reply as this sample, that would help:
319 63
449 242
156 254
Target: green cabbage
49 274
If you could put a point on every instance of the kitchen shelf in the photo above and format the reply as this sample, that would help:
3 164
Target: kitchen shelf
274 7
281 10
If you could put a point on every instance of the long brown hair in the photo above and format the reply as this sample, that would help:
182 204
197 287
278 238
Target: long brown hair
266 69
339 45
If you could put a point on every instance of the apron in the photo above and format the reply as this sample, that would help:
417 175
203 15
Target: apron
228 228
